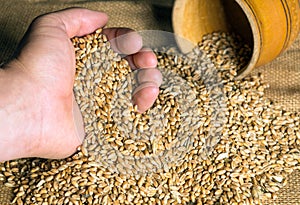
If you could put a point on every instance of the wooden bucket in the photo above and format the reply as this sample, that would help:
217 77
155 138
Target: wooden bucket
268 26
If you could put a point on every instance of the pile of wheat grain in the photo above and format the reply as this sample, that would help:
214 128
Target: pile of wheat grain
208 139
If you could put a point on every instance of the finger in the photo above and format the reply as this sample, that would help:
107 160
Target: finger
69 22
52 31
145 75
145 94
128 42
124 40
49 35
145 58
76 21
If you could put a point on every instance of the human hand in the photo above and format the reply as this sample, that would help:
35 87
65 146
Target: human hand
40 118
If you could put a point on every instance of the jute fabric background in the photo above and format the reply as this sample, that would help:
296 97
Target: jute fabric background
283 74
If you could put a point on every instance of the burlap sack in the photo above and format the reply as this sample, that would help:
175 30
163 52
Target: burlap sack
283 74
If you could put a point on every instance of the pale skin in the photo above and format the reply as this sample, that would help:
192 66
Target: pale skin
38 114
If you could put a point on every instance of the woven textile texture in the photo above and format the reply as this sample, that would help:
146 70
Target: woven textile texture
283 74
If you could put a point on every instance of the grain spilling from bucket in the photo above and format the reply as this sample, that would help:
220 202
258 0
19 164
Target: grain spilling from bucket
245 162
